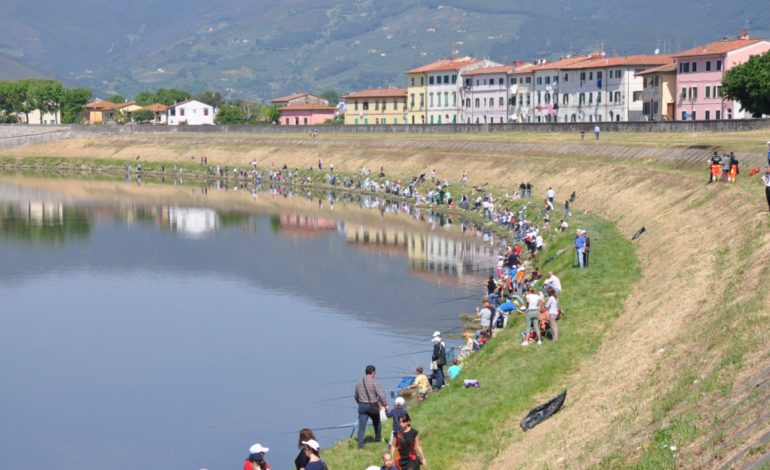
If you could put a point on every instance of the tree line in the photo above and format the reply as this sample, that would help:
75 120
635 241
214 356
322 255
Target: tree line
48 96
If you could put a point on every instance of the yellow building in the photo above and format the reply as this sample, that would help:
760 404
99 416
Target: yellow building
659 96
376 106
417 90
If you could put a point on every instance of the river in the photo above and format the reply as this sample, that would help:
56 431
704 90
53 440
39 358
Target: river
162 326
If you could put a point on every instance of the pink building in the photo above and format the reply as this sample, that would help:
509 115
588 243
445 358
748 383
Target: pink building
699 78
306 114
485 95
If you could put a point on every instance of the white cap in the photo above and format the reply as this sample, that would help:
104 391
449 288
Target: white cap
257 448
436 333
313 444
400 401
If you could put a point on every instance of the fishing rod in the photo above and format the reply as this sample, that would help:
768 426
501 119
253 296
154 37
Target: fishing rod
356 380
325 428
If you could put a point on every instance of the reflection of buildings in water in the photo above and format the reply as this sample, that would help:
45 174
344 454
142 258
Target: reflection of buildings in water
192 222
427 252
42 213
306 225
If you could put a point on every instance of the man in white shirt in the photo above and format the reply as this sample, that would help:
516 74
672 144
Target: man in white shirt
766 181
532 316
553 282
550 194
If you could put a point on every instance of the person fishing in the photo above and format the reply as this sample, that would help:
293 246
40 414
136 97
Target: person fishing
766 182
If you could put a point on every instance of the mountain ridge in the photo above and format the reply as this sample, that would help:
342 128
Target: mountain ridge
261 49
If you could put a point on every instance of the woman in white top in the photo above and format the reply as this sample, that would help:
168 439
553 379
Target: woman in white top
532 316
553 312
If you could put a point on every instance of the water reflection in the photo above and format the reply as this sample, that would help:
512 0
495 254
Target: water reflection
196 309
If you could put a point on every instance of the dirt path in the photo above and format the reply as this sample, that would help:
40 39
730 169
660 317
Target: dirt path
674 336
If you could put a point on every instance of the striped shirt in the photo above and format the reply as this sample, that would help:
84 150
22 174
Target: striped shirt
369 390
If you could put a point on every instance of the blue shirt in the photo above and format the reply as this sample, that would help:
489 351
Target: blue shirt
580 242
454 371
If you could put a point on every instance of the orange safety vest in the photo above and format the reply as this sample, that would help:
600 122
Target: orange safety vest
716 170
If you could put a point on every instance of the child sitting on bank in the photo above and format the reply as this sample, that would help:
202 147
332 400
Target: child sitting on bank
454 369
421 383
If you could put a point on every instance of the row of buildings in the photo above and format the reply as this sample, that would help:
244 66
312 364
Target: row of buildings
593 88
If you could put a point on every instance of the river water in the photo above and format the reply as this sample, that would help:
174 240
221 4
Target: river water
172 327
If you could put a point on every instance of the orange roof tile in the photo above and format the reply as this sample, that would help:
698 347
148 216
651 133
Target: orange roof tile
718 47
445 65
378 93
599 61
103 105
157 108
289 97
308 107
488 70
561 63
659 69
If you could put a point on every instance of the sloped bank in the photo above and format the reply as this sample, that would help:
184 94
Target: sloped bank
681 366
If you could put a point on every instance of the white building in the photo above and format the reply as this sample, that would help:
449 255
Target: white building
37 117
600 88
520 93
444 87
191 113
546 90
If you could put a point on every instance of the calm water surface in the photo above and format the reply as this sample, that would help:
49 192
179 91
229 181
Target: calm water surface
172 335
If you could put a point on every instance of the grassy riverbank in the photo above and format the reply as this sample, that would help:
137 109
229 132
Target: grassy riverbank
683 362
464 428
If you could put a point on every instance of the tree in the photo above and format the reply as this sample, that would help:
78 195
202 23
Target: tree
272 114
749 84
330 95
143 116
122 116
145 98
229 114
116 99
169 96
211 98
72 104
45 96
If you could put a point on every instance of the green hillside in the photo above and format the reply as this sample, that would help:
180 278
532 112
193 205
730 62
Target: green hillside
260 48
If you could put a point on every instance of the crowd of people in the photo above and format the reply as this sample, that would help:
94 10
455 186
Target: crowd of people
518 288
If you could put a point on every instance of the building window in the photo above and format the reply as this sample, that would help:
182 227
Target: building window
422 81
430 80
412 85
581 99
454 98
467 82
718 92
181 111
547 80
529 80
708 93
598 97
694 115
477 103
718 114
377 106
598 75
446 98
694 67
539 98
708 66
719 64
411 101
582 77
304 120
708 115
684 93
565 99
205 111
617 97
287 121
454 79
501 101
366 106
684 115
430 99
637 96
422 100
501 81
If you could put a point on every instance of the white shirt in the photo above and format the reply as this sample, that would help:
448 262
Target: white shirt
551 193
532 301
554 281
766 179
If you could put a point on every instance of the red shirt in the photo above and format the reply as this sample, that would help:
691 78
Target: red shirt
247 465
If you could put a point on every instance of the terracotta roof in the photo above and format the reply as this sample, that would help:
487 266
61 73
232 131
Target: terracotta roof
718 47
559 64
378 93
599 61
157 107
103 105
488 70
308 107
659 69
446 65
527 68
289 97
